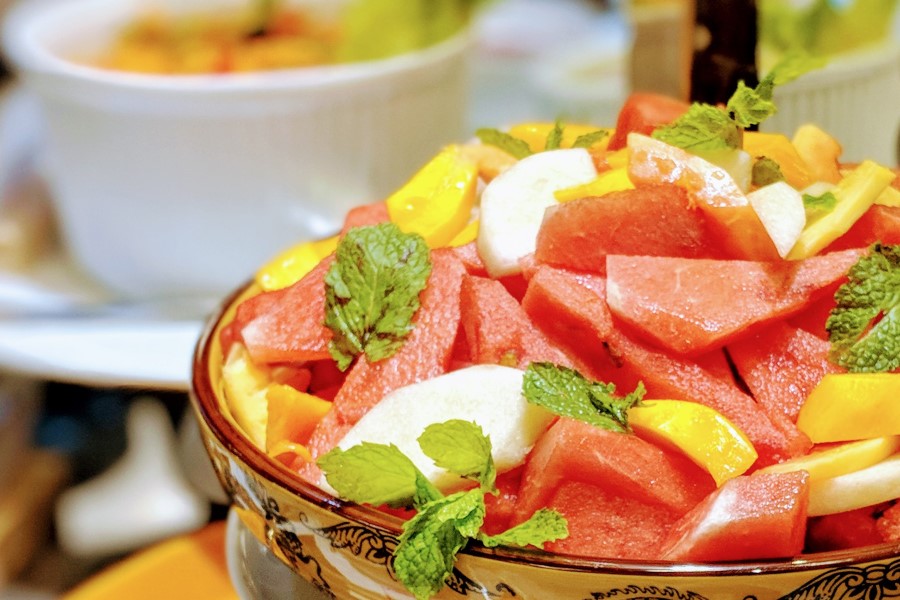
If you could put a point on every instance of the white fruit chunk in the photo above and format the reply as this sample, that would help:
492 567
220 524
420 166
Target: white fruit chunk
513 204
780 208
489 395
873 485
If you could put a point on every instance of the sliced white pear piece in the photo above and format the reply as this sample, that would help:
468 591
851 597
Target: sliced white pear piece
780 208
736 162
866 487
489 395
513 204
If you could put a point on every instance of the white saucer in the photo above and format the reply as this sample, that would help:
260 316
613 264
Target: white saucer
51 323
255 573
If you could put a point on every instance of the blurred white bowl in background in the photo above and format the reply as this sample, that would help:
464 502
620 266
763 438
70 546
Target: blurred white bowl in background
855 98
186 184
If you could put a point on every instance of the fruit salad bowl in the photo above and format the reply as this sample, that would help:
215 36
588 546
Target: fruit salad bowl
569 362
345 549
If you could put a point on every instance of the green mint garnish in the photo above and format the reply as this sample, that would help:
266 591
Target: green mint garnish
702 128
566 392
372 291
511 145
818 206
586 140
545 525
443 525
765 172
705 127
554 137
864 327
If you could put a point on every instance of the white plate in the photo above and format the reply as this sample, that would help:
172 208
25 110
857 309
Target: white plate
52 322
256 573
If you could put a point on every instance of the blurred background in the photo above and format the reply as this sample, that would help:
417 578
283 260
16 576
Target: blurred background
99 456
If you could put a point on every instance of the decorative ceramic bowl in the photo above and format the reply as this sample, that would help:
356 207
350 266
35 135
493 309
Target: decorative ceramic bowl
140 164
345 550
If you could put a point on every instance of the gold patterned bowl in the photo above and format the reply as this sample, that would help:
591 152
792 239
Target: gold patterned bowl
345 549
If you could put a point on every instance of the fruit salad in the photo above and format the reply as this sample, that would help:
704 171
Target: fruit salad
674 339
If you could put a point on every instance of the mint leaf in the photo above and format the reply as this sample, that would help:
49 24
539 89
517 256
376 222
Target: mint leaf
565 392
376 474
545 525
864 327
791 66
460 447
703 127
511 145
427 548
817 207
765 171
749 107
554 137
586 140
372 291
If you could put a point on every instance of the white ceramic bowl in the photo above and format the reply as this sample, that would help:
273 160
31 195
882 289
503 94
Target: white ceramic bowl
854 98
186 184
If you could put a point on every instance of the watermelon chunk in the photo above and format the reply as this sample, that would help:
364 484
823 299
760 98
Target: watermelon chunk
571 308
649 220
604 524
781 365
287 325
690 306
366 214
749 517
840 531
572 450
497 329
643 112
425 354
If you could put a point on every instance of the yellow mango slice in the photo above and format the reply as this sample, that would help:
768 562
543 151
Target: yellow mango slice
855 193
468 234
820 151
291 265
613 180
535 134
437 202
245 394
780 149
841 459
852 406
703 434
292 414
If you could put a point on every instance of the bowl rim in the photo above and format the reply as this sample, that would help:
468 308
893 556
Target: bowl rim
25 21
205 402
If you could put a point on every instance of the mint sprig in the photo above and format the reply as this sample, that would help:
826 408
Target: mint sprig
442 526
817 207
372 291
864 326
508 143
705 127
567 393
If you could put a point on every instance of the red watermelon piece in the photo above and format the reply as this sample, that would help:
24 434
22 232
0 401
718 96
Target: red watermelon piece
622 464
425 354
656 220
287 325
603 524
571 309
643 112
781 365
692 305
468 254
888 523
750 517
366 214
498 331
842 531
